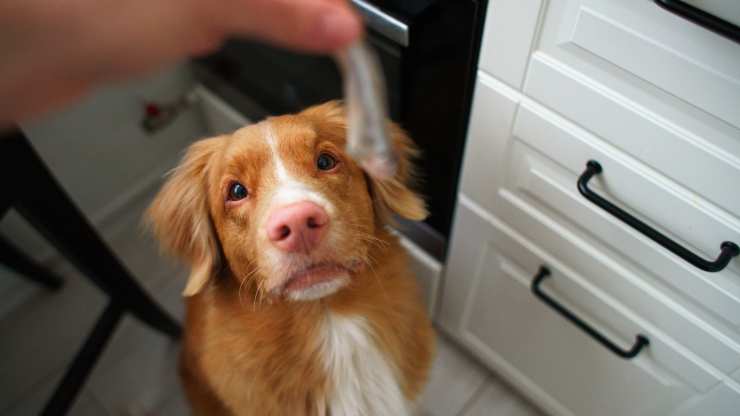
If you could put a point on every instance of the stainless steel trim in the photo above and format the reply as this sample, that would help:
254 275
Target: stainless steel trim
383 23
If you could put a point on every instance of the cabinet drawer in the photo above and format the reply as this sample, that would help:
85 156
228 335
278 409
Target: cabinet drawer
491 308
521 147
650 44
632 40
706 338
660 140
652 84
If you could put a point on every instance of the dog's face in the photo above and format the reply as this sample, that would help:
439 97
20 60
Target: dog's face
281 206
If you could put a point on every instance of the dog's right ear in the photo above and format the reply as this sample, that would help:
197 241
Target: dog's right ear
179 215
395 195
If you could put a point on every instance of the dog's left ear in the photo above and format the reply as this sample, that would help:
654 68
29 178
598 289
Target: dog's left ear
180 219
389 196
395 195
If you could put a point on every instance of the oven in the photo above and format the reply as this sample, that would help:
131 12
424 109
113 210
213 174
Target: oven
428 51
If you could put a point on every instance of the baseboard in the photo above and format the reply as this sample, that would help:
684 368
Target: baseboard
219 116
428 271
106 220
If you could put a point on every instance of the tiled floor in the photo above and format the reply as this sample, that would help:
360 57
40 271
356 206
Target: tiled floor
137 373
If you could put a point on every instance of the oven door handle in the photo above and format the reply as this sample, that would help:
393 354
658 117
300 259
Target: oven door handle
383 23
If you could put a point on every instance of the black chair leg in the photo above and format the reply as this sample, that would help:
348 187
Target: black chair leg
45 205
84 362
39 198
24 266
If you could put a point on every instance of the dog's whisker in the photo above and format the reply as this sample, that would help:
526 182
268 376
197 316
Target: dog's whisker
261 292
375 276
239 291
244 280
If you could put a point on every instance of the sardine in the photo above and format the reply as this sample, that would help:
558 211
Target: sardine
368 139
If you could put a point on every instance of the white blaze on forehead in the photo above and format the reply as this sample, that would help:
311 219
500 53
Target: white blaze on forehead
280 171
290 189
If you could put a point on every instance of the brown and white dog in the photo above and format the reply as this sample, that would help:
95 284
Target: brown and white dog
299 301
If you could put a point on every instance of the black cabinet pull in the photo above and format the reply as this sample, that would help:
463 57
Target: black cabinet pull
728 249
700 17
641 341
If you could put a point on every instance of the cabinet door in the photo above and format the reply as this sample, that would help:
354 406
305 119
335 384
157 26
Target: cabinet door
488 305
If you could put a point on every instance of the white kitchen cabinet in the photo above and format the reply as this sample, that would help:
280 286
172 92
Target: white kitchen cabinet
492 310
636 41
538 159
428 272
507 38
655 100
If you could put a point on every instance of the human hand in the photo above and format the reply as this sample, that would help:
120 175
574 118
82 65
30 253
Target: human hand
52 51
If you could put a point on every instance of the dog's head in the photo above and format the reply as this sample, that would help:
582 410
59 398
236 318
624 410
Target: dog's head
281 206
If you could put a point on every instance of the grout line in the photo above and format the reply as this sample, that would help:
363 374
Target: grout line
491 375
35 387
474 398
90 395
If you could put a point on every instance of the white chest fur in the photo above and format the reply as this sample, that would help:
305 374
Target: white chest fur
364 383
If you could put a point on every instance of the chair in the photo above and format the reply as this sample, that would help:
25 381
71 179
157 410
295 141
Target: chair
29 187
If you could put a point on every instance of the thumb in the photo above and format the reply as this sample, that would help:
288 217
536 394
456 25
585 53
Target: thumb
306 25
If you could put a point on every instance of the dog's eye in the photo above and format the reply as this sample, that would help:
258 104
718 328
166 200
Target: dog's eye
326 161
237 191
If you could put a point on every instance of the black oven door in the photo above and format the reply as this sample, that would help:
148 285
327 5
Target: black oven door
278 81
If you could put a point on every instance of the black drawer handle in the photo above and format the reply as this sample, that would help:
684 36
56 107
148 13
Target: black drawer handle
700 17
728 249
641 341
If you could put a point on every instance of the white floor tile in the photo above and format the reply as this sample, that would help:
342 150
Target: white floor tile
141 381
454 379
137 249
42 335
132 336
176 406
137 374
15 290
33 403
500 400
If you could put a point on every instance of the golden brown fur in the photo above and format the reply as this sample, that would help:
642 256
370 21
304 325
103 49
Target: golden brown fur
247 350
